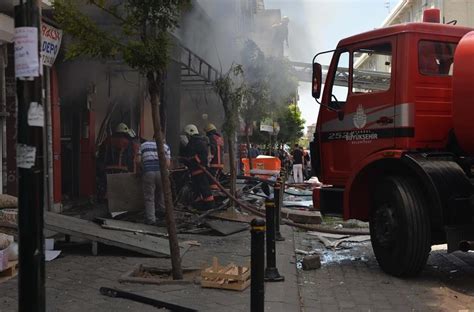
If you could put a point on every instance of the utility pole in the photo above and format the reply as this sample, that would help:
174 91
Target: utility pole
31 292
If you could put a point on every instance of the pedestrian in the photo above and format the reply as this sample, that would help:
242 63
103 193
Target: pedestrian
116 155
307 165
297 164
216 144
194 155
253 152
149 165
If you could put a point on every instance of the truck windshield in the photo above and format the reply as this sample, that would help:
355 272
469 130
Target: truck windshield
435 58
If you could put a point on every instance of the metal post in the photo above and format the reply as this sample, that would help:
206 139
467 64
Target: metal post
277 199
271 271
283 186
257 265
31 293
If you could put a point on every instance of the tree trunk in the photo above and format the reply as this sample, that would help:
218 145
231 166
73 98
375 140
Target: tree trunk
247 136
233 169
153 88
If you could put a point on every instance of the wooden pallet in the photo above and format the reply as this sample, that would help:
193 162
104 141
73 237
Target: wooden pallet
10 272
230 277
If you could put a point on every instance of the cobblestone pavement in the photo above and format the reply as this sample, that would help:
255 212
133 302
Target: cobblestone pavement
352 283
74 279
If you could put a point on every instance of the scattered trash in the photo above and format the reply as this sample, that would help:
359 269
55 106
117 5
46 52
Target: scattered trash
305 253
301 203
226 227
116 214
231 277
49 252
299 265
142 274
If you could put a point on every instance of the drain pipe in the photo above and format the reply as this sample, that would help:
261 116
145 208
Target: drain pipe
466 245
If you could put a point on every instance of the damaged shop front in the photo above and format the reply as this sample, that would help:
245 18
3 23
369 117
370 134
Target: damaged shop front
50 45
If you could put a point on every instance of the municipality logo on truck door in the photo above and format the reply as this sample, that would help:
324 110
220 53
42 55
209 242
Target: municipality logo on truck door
360 118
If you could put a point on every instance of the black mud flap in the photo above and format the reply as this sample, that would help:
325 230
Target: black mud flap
332 201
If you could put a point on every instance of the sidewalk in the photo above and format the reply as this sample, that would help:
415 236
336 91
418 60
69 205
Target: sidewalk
74 279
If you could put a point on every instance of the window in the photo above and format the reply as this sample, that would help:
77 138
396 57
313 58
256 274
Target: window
372 69
435 58
340 87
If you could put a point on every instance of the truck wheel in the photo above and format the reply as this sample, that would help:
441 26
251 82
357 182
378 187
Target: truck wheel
400 227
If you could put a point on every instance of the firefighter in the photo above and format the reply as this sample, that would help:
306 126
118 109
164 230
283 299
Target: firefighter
195 153
216 144
117 155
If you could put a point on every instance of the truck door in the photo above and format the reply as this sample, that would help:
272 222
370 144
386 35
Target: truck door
364 120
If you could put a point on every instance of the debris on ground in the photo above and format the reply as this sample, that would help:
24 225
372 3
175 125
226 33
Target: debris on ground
142 243
142 274
312 262
116 293
231 277
333 244
226 227
131 227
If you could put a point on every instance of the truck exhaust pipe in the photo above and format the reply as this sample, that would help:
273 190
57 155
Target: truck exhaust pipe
466 245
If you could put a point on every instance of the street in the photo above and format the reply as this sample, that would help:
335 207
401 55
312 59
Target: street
353 284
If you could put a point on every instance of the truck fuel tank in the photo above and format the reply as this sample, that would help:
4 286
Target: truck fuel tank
463 93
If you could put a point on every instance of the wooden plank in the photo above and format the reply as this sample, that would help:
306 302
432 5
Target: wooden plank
223 285
142 243
226 227
132 227
124 192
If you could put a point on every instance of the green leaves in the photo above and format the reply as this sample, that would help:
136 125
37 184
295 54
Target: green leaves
291 124
134 30
231 90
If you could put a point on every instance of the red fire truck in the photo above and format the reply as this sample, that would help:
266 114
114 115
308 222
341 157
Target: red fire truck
395 138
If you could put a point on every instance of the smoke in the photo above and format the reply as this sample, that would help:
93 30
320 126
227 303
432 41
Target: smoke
318 25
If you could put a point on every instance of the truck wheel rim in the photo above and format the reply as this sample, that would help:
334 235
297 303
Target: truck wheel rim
385 225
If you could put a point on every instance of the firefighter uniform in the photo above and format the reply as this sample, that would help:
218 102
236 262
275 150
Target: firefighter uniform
116 155
216 144
195 153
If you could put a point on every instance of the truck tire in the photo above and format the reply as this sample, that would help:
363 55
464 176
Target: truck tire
400 227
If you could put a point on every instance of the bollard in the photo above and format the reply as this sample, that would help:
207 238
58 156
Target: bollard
283 186
271 271
257 265
278 203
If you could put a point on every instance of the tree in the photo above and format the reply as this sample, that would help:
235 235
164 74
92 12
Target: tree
139 35
255 105
291 124
231 89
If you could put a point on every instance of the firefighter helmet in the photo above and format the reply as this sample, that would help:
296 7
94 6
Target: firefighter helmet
210 127
123 128
191 130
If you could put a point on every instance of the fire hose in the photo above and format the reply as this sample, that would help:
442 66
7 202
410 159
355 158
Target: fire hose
254 210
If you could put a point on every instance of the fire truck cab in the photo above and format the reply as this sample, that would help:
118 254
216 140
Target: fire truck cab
387 142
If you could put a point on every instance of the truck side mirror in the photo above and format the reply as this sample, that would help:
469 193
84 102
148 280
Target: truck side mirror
317 77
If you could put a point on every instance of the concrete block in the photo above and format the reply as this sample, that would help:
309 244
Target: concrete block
311 262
